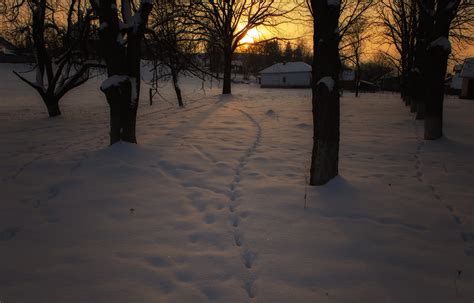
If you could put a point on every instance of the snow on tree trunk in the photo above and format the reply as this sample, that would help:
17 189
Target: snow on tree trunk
325 101
118 91
438 51
122 88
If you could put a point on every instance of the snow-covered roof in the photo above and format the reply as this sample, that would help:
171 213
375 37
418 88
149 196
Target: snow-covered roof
289 67
468 68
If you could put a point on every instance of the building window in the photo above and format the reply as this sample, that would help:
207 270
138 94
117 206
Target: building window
284 80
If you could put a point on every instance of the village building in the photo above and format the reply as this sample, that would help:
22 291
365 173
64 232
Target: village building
455 81
347 79
467 75
286 75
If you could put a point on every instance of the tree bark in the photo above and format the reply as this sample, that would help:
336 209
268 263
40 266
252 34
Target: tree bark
419 87
436 72
425 26
357 78
325 101
226 89
123 62
52 105
122 115
438 51
177 89
411 89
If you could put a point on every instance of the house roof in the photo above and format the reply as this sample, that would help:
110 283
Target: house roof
468 68
290 67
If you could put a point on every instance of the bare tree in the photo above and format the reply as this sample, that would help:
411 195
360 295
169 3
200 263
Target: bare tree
356 37
398 20
326 106
438 50
225 23
408 26
461 32
351 12
58 33
379 66
417 87
121 35
173 45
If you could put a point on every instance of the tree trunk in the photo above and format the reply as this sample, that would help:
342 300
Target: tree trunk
122 114
404 89
437 66
425 26
411 91
177 89
123 65
420 110
357 78
325 101
52 105
438 51
226 89
419 87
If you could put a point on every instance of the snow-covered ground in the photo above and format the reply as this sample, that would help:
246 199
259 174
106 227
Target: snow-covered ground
209 206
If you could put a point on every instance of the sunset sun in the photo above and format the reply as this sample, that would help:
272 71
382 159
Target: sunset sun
252 36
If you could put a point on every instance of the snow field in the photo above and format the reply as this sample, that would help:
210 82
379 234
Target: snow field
209 206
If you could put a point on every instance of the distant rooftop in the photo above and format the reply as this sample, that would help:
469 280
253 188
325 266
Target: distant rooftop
468 68
289 67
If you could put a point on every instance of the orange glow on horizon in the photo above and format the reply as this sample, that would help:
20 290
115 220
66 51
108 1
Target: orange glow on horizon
252 36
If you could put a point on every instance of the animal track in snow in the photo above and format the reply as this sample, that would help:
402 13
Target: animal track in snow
238 238
467 237
234 220
249 286
248 257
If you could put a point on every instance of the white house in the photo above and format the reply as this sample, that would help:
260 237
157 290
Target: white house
290 75
467 75
456 80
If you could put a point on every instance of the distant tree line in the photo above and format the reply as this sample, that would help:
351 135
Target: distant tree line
258 56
